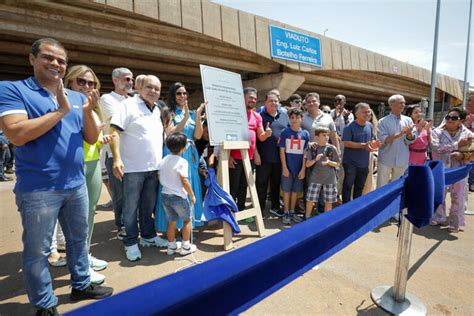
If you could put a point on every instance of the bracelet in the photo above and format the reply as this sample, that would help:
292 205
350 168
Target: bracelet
466 156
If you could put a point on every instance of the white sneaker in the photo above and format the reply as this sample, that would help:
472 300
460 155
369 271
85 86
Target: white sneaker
171 251
186 251
155 242
97 264
133 253
96 278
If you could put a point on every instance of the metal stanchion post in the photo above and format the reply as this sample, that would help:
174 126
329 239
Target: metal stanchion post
394 299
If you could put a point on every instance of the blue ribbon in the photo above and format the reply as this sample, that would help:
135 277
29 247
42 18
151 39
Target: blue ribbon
231 283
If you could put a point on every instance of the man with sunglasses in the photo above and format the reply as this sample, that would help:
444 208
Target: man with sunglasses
48 124
110 104
396 132
295 101
341 116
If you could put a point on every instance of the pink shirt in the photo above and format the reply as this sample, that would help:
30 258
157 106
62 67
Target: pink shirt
419 149
255 122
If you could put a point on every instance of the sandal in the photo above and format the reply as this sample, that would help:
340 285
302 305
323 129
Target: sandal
434 223
453 229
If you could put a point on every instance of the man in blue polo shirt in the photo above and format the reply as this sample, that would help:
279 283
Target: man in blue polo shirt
359 141
269 170
48 124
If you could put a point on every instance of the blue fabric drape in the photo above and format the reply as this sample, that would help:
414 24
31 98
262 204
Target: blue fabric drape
218 203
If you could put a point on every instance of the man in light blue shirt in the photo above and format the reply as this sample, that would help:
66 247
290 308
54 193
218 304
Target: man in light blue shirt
396 132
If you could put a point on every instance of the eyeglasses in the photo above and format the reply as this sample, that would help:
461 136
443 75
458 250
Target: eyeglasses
296 101
337 100
83 82
452 118
181 93
128 79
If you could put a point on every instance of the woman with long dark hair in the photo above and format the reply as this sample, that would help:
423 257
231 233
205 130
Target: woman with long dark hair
419 149
188 122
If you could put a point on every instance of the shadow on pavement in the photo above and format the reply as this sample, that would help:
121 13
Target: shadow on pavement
371 310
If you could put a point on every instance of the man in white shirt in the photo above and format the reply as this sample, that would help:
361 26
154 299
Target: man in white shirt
110 103
138 128
396 132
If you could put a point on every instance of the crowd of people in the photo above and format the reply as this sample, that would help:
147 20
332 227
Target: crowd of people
152 157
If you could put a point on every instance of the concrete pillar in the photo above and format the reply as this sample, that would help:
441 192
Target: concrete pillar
286 83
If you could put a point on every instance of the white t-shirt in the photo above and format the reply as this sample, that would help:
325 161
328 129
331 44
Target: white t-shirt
109 104
171 169
141 137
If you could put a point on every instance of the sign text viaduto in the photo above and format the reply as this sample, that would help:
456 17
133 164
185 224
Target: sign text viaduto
294 46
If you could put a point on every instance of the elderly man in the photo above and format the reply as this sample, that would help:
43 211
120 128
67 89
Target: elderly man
358 138
396 132
110 103
269 170
138 128
48 124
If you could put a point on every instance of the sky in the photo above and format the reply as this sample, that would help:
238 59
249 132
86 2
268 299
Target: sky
401 29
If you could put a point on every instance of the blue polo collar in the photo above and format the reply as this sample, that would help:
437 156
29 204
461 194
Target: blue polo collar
33 84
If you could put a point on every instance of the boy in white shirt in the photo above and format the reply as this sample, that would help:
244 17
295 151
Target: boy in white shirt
173 176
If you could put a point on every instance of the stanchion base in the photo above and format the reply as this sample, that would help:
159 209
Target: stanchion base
383 297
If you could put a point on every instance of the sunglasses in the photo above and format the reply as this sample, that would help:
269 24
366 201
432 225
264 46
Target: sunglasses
327 112
128 79
181 93
337 100
452 118
83 82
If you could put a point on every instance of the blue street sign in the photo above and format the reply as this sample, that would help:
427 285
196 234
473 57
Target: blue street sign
294 46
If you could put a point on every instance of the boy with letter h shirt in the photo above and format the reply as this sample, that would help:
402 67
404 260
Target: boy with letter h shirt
293 142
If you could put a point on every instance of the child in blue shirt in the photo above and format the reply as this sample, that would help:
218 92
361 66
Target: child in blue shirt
293 142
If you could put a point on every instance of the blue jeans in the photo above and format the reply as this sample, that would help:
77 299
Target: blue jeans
116 186
141 192
39 212
353 177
